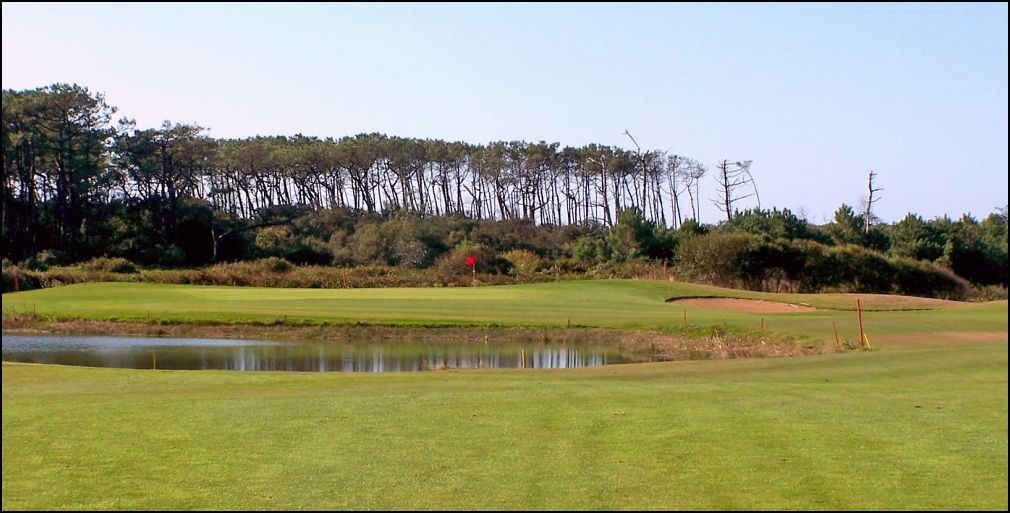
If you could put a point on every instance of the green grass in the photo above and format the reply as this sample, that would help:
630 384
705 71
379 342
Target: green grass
607 304
915 428
918 423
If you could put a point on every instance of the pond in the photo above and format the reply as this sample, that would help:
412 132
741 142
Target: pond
253 355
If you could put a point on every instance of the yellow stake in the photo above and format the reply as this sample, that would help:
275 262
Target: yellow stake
867 337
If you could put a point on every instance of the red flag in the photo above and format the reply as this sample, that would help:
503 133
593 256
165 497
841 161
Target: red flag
470 260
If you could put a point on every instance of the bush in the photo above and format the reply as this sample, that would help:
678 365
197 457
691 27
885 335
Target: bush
638 268
451 268
594 249
109 265
44 260
988 293
14 279
718 258
524 263
738 260
274 264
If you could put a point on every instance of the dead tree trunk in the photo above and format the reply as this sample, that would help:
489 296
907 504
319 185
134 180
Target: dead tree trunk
731 177
870 200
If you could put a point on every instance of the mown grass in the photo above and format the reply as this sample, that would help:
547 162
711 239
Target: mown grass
918 423
915 428
607 304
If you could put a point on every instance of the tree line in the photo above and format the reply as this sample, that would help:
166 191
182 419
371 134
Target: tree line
65 160
77 184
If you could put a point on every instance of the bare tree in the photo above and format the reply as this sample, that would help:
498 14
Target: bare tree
674 163
692 175
870 200
651 164
732 176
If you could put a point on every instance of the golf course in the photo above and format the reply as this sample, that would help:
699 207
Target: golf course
917 422
491 257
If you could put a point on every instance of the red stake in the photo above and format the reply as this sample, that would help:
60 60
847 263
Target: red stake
859 314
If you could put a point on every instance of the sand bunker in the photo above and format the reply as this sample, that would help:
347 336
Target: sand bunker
744 305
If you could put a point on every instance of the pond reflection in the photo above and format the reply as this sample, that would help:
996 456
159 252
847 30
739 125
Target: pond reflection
249 355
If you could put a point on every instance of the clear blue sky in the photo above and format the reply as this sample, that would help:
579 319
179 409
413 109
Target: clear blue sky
816 95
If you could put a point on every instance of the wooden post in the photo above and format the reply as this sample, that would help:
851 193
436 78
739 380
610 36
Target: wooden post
685 317
343 278
859 315
154 360
837 343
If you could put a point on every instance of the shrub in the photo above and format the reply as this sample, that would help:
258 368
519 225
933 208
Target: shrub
109 265
737 260
717 258
274 264
988 293
13 275
524 263
44 260
451 268
594 249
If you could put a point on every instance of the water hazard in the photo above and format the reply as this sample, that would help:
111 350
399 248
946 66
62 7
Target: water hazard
251 355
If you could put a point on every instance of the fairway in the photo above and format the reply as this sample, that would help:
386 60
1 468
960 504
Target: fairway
920 422
920 428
